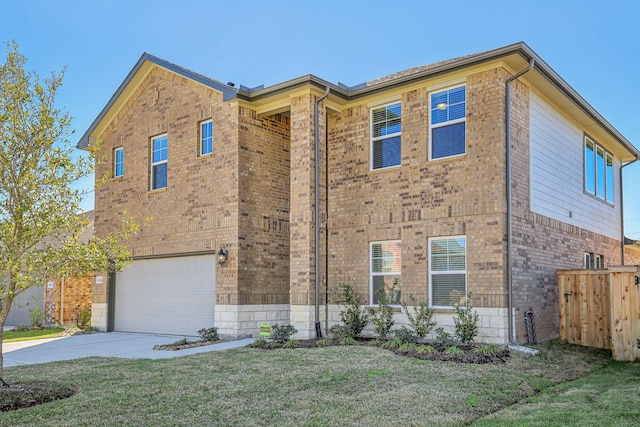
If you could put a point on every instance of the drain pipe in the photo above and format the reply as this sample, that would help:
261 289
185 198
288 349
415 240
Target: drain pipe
622 208
317 208
509 204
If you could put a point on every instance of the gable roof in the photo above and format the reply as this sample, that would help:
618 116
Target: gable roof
143 67
516 56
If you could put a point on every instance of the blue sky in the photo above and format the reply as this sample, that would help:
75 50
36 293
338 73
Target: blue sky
593 45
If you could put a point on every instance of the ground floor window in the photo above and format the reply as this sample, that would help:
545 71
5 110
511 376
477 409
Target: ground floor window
386 262
447 271
593 261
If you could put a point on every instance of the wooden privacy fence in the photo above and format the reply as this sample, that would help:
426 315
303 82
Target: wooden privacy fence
601 308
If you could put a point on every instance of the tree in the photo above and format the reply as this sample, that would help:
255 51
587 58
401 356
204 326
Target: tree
40 224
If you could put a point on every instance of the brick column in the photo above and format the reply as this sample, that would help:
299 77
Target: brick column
301 217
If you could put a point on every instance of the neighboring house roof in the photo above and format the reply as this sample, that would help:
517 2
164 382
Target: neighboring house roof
516 56
632 244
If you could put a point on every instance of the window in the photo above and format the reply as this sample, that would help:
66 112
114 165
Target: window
386 262
448 128
118 162
385 136
598 171
159 162
593 261
448 271
206 137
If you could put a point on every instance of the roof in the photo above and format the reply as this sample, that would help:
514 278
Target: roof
517 56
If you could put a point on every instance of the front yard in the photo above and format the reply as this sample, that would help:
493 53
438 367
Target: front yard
341 385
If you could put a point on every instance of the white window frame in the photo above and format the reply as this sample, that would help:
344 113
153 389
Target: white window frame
373 274
116 162
431 272
383 137
447 123
606 194
203 138
158 163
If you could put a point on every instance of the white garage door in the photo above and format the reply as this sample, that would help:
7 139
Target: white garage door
173 296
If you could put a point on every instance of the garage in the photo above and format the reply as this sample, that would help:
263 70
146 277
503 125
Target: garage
173 296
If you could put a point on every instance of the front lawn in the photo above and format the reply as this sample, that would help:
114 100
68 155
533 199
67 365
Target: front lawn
31 334
343 385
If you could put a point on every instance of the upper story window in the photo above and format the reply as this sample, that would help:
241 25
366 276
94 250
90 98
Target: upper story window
386 265
598 171
118 162
159 151
386 127
448 128
448 271
206 137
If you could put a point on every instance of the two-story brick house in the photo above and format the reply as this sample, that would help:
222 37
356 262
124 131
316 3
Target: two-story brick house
415 182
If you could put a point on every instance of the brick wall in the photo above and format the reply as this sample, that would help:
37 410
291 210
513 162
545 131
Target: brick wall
263 245
198 211
421 199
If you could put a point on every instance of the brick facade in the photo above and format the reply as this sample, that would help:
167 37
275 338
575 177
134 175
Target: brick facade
255 196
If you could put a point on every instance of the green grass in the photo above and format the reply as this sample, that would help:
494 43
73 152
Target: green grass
32 334
336 385
605 397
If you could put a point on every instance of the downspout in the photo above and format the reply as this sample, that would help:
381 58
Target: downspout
317 208
622 208
509 201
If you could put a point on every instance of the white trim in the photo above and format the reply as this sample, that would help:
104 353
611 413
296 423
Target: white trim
115 161
201 140
605 155
430 272
373 139
445 88
153 164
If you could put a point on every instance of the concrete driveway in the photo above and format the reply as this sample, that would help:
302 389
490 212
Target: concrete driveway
112 344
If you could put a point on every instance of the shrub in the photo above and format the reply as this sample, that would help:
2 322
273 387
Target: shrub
351 312
84 317
209 334
282 333
394 343
408 346
271 344
35 315
291 344
323 342
22 328
382 318
444 339
454 351
420 317
259 343
340 331
348 341
488 350
405 335
425 349
183 341
466 322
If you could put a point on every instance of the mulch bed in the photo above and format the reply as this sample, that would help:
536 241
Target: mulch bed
30 393
174 346
468 354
